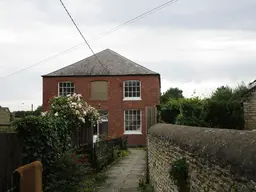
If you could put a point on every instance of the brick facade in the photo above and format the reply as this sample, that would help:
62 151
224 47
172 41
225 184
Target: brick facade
250 110
150 95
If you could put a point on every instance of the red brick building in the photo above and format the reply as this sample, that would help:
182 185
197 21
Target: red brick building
119 88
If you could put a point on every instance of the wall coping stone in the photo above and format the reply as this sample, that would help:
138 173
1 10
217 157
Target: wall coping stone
235 149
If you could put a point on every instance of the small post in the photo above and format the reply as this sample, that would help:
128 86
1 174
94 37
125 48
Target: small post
29 177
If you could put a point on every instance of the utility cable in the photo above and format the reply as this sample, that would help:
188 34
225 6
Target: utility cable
82 35
98 37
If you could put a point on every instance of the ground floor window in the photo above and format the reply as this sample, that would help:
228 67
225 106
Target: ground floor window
132 121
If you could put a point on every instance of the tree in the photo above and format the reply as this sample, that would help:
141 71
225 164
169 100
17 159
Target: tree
38 110
171 93
239 92
226 93
223 93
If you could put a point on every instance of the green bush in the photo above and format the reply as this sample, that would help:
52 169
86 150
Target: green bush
44 139
224 114
68 172
223 109
48 138
205 113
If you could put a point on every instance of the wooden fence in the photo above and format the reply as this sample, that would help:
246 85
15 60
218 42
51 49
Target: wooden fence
10 158
102 152
151 117
83 135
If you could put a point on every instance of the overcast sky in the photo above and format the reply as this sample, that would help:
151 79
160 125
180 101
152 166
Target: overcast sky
194 44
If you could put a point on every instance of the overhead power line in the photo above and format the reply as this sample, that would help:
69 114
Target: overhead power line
82 35
149 12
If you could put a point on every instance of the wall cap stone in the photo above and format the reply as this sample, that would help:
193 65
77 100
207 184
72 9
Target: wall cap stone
232 149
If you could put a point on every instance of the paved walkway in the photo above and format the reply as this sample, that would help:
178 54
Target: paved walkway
124 176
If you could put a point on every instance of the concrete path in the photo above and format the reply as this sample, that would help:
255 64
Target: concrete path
124 176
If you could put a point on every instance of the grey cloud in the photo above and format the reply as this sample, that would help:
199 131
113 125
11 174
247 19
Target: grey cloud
185 72
196 14
28 17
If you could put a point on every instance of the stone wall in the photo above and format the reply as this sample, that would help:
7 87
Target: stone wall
250 110
218 160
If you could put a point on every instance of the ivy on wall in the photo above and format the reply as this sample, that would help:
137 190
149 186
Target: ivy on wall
179 173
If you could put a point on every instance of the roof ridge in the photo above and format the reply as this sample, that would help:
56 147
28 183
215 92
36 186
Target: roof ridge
129 60
117 65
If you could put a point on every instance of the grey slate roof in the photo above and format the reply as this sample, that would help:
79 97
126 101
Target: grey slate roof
112 64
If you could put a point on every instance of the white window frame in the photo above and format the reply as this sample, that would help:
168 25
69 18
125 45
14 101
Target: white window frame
131 98
63 87
133 132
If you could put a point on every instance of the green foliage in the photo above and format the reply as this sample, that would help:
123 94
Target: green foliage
170 111
74 109
179 170
48 138
21 114
223 93
179 173
143 186
222 110
38 110
43 139
226 93
68 172
7 129
172 93
224 114
89 184
119 153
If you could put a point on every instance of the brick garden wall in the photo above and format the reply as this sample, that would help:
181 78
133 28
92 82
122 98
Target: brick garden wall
250 111
218 160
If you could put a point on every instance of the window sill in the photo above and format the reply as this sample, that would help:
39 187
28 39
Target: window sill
132 99
132 133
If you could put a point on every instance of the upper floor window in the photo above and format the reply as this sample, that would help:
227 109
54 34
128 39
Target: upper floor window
99 90
66 88
132 90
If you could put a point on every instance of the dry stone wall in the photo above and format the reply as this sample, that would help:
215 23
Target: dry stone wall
218 160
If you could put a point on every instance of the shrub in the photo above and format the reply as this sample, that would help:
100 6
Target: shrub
68 172
224 114
74 110
48 138
42 141
205 113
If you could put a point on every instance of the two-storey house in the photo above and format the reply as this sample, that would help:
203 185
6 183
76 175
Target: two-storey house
118 87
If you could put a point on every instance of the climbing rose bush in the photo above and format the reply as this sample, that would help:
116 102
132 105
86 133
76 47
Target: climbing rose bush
74 109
